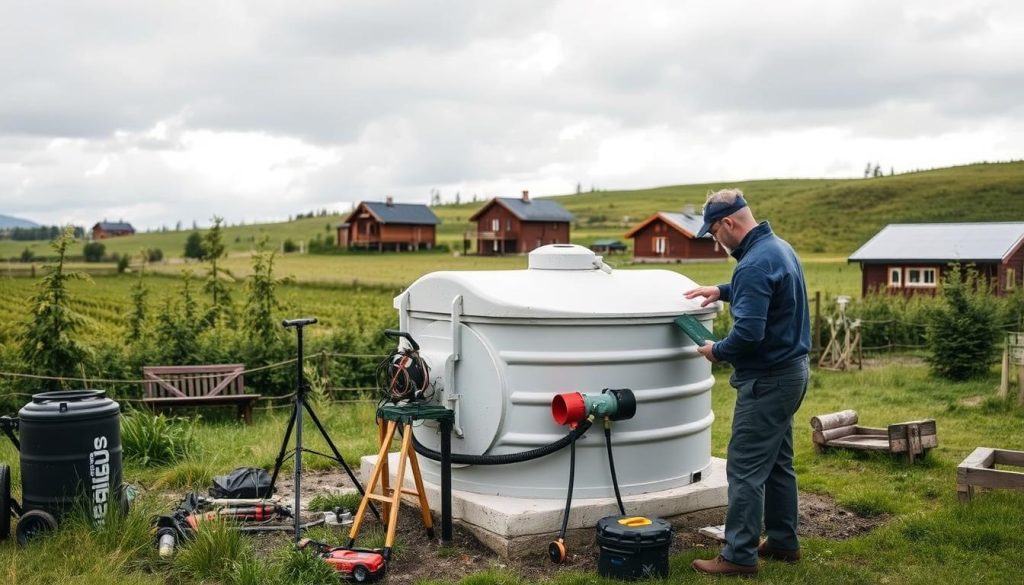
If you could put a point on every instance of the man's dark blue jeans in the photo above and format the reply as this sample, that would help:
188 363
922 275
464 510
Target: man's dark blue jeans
762 483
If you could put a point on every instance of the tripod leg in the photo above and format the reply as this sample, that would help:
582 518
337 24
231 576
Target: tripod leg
284 447
337 455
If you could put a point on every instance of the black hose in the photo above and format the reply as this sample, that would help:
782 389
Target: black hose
463 459
568 496
611 465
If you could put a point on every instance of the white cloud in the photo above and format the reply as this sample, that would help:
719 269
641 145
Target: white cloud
157 112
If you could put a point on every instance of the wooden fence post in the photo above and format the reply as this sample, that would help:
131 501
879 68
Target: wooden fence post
1004 377
325 372
816 337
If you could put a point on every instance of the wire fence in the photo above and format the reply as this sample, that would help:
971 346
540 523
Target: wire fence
322 358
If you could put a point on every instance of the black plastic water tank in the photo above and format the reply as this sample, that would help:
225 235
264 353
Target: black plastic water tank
70 448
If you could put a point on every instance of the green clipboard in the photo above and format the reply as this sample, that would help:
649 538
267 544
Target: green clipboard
694 329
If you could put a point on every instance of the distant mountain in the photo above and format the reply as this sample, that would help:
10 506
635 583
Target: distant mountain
7 222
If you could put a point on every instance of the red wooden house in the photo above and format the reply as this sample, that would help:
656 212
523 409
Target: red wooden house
111 229
389 226
506 225
669 237
911 259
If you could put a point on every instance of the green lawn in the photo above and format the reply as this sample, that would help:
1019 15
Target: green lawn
930 538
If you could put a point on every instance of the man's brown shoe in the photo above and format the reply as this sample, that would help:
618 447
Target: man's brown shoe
777 554
720 566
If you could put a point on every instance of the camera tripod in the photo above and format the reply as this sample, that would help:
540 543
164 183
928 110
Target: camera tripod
295 422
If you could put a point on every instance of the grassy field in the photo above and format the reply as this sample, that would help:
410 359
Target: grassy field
929 538
818 216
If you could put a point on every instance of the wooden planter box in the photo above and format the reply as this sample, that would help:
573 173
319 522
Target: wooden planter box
977 470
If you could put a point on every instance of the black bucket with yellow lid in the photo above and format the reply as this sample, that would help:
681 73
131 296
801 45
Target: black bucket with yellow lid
633 547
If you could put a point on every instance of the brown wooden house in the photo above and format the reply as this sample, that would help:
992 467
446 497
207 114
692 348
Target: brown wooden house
669 237
911 259
389 226
506 225
111 229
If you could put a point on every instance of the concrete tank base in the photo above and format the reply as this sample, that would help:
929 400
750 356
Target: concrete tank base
515 527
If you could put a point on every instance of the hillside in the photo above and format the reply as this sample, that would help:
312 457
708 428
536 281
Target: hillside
826 216
7 222
815 215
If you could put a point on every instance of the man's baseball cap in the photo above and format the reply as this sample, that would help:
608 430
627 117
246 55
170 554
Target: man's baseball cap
717 210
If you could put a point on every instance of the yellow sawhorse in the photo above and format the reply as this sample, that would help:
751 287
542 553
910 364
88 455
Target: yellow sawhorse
388 420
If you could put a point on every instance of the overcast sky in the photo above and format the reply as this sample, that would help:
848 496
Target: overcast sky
155 112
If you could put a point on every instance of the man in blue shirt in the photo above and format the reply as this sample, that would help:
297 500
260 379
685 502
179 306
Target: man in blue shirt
767 348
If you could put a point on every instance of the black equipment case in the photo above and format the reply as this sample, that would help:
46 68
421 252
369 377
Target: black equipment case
633 547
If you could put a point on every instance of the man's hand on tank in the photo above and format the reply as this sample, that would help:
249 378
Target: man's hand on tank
705 350
710 294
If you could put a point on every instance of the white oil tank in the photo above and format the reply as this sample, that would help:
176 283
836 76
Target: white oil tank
501 344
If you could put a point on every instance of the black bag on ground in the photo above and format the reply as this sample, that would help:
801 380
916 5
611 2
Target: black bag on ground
244 482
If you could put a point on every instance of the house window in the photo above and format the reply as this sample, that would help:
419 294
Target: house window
1011 282
659 245
923 277
895 278
494 244
508 225
495 225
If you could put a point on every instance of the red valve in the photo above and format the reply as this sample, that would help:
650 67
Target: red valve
569 408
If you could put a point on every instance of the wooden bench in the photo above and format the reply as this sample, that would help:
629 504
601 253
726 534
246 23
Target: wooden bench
913 439
978 470
207 385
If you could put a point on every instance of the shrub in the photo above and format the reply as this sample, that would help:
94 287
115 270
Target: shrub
194 246
963 330
213 553
302 566
49 343
325 502
151 440
94 251
289 246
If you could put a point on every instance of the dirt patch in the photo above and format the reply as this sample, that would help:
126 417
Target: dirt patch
892 360
972 400
418 557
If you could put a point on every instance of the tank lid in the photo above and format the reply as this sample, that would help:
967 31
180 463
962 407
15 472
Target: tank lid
565 257
572 293
69 404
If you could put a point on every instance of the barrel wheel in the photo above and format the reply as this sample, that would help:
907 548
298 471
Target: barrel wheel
34 523
5 502
557 552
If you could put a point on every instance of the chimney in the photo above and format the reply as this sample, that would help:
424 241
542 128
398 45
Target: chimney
390 201
689 210
526 196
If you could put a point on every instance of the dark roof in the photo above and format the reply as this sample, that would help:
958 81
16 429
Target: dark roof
114 226
412 213
531 209
942 242
687 223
